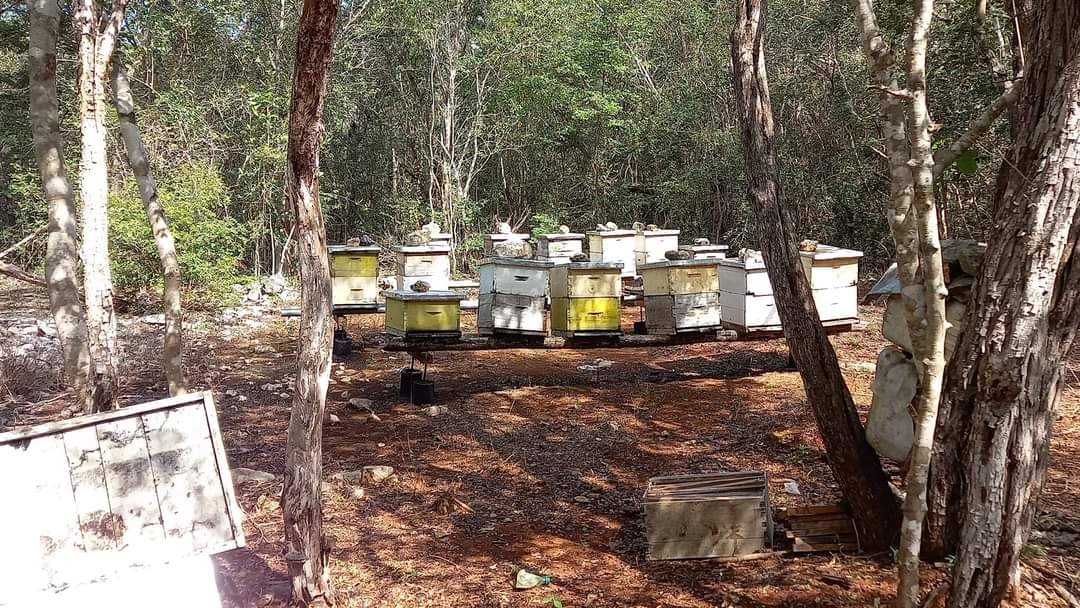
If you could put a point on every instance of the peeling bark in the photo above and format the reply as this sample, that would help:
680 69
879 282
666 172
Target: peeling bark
62 253
854 463
307 549
173 351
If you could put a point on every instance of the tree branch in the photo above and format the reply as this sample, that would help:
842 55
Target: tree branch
977 128
110 34
15 272
26 239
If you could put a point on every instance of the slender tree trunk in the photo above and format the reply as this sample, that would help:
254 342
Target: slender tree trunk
306 548
1005 380
95 52
853 461
170 266
62 253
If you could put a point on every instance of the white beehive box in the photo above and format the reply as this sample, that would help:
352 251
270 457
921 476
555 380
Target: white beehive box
651 245
559 247
614 247
747 303
681 295
512 296
491 239
710 252
831 267
428 263
354 274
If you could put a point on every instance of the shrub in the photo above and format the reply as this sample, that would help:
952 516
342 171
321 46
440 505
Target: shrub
210 244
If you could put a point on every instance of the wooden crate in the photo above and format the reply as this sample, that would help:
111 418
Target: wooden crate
501 313
515 276
423 314
614 247
491 239
354 273
651 245
428 263
682 313
820 528
559 247
710 252
675 277
93 497
707 515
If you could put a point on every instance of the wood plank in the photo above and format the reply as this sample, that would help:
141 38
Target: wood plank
98 527
704 548
812 510
53 515
59 426
130 483
222 462
23 552
193 506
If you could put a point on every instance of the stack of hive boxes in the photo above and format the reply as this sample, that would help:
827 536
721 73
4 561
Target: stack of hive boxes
559 247
834 276
681 295
585 298
614 247
512 296
354 273
428 314
428 263
651 245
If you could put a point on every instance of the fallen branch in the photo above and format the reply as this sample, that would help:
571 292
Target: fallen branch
26 239
15 272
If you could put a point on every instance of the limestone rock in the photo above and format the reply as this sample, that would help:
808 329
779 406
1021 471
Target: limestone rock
242 475
513 249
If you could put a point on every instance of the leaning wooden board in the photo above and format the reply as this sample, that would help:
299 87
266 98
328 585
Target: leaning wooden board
92 496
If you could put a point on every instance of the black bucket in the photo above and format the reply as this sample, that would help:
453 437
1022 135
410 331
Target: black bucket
640 328
342 343
423 391
409 375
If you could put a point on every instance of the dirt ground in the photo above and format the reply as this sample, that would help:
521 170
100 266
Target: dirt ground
551 461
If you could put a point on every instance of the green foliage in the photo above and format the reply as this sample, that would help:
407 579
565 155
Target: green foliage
552 600
210 245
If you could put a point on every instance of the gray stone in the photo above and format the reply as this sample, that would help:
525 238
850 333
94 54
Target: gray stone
158 319
242 475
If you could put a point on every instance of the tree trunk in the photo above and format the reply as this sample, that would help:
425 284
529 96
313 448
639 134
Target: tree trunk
95 52
62 253
170 266
1005 380
306 547
853 461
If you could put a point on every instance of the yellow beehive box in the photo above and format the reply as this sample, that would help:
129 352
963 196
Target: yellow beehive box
575 316
354 273
585 298
586 280
614 247
423 314
676 277
651 245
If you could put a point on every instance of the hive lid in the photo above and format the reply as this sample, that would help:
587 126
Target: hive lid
404 294
611 233
752 264
828 252
353 249
697 248
677 263
662 232
594 265
523 262
562 236
513 236
431 248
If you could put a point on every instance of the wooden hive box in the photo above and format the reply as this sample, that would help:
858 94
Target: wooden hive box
491 239
513 292
354 273
559 247
708 515
712 252
833 274
586 298
651 245
99 497
681 296
614 247
428 314
442 238
428 263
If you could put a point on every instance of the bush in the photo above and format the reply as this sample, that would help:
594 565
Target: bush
210 244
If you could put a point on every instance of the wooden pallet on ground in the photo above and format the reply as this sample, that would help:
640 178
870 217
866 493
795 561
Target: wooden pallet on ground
820 528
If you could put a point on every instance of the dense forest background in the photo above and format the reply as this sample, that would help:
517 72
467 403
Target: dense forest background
465 111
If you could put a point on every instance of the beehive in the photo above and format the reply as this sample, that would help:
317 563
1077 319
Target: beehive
681 296
711 252
428 314
442 238
710 515
354 273
614 247
746 295
560 247
585 298
490 240
429 263
512 296
651 245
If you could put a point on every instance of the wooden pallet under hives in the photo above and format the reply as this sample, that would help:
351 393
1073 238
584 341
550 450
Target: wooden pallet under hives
820 528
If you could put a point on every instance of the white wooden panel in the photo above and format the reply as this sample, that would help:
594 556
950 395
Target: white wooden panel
837 303
830 273
650 248
520 281
614 248
736 279
90 489
505 312
54 513
749 311
437 283
355 290
423 264
131 484
181 583
23 555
